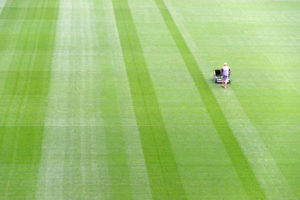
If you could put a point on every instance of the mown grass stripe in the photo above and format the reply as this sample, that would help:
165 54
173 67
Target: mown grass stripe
161 166
26 88
116 149
117 157
2 4
231 144
75 169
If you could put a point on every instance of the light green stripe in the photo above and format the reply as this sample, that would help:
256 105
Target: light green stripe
253 145
2 4
115 88
232 146
24 96
160 162
74 162
117 158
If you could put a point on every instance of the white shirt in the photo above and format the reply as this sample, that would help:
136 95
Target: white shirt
225 70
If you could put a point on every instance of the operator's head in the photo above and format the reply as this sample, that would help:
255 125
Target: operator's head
225 64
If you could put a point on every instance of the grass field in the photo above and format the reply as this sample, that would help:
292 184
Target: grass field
114 99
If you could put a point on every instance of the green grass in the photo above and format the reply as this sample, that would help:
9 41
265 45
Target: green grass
24 92
161 166
105 99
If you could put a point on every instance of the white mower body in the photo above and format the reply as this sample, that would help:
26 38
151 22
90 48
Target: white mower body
218 76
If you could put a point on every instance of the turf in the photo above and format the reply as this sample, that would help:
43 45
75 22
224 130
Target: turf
105 99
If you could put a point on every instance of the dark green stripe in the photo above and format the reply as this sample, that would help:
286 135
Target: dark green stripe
231 144
162 169
24 96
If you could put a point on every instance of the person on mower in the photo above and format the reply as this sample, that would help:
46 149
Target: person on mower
225 73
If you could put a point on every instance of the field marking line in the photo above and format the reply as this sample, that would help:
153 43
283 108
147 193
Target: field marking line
253 146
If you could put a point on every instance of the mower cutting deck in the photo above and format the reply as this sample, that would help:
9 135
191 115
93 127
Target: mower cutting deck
218 76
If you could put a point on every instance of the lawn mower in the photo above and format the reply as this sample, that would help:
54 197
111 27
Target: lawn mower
218 76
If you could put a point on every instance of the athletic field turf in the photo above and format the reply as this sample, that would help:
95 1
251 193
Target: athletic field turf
114 99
